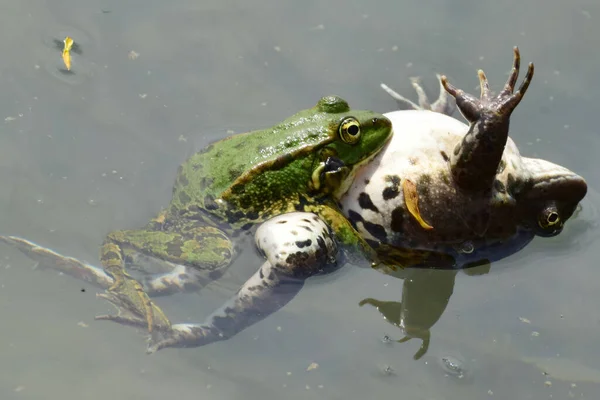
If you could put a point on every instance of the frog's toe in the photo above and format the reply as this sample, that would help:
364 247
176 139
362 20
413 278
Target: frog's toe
129 312
444 104
401 100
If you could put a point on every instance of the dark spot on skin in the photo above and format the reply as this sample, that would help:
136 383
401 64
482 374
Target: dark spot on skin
501 166
367 181
364 201
271 275
425 179
183 277
307 228
511 185
237 189
184 198
443 177
315 218
397 219
234 217
209 203
354 218
306 220
234 173
174 248
205 182
413 160
499 186
246 202
215 274
303 243
376 230
111 255
295 233
183 180
445 156
393 190
374 244
282 221
261 274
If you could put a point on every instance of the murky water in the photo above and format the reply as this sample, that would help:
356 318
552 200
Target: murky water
86 152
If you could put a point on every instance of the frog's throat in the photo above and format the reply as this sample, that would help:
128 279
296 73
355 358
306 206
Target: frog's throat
343 188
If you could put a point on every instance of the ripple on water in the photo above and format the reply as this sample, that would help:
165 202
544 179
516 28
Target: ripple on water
455 366
82 69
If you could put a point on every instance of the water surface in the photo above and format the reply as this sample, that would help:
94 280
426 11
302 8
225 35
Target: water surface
97 149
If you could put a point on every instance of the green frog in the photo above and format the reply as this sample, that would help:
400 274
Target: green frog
231 186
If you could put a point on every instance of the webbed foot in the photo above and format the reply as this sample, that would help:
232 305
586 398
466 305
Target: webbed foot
476 159
444 103
134 307
503 104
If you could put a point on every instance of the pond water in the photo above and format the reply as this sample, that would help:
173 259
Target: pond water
97 149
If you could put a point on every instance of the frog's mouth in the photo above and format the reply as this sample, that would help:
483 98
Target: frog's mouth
343 188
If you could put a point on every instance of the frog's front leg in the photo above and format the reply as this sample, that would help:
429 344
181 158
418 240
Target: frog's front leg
444 104
196 254
297 246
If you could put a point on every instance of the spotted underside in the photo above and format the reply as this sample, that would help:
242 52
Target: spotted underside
443 185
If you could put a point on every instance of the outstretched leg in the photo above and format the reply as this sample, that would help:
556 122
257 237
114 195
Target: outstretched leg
444 104
46 258
296 246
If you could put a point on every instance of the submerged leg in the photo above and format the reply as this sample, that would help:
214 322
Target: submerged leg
444 104
297 246
46 258
207 250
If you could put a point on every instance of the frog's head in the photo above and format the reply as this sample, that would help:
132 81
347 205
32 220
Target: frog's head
551 196
355 136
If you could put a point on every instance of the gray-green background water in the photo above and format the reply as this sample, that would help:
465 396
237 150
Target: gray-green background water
85 153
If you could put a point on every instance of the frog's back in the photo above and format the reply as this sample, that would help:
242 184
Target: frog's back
206 175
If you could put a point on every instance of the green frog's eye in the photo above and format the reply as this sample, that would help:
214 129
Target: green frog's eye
350 130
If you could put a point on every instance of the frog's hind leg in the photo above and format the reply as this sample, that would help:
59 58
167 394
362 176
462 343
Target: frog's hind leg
47 258
297 246
444 104
201 248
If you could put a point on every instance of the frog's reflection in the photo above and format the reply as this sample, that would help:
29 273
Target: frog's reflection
425 295
426 291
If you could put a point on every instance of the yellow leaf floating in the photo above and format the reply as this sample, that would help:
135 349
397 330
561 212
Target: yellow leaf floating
411 199
66 53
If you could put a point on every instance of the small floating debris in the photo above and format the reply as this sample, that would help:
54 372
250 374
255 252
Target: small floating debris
66 53
312 366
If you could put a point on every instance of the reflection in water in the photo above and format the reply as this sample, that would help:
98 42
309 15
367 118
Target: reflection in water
425 295
426 292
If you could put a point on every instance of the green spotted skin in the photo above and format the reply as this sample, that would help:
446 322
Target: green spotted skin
250 177
238 182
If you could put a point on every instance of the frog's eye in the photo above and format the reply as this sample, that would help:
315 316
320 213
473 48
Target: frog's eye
550 222
350 130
